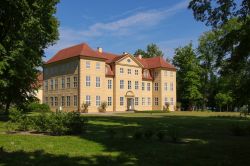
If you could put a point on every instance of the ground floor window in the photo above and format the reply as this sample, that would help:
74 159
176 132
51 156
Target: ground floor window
156 101
98 100
63 101
165 100
172 101
109 101
56 101
149 101
68 100
75 100
136 101
51 101
121 101
143 101
88 100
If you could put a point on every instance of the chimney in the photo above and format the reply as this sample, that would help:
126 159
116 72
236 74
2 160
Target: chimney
99 49
139 56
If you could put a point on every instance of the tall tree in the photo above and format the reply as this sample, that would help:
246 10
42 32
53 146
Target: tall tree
188 76
152 51
27 27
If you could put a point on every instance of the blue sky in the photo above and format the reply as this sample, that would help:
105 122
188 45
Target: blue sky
124 26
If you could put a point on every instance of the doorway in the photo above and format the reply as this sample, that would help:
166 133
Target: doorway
130 104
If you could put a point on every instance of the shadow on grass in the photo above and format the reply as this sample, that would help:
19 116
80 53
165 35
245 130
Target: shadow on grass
39 157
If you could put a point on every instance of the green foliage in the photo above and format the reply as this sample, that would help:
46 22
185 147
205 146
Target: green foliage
41 122
188 76
223 99
152 51
244 111
37 107
27 28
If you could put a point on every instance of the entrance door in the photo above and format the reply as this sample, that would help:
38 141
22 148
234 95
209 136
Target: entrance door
130 104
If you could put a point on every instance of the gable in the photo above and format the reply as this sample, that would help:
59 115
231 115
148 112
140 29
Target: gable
130 61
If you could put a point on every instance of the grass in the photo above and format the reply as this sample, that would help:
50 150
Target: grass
206 140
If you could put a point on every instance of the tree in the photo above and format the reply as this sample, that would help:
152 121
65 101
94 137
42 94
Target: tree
27 28
223 99
188 76
152 51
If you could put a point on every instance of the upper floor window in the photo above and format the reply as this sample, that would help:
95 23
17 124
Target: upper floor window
63 82
171 86
51 84
142 85
121 70
68 100
109 101
75 82
129 85
156 86
98 82
121 101
136 72
109 84
129 71
171 74
121 84
56 84
136 85
98 101
87 64
87 80
148 86
165 86
75 100
136 101
156 101
88 101
68 82
98 66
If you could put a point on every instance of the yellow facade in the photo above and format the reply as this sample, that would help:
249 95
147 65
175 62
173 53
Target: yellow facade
126 90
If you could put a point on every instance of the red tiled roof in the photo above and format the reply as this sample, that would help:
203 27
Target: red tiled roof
80 50
84 50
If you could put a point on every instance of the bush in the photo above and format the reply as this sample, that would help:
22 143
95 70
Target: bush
85 107
178 106
244 111
40 122
103 106
166 107
15 115
20 119
148 134
160 135
138 135
37 107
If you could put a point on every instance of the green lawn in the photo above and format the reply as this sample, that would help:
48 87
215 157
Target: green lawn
205 140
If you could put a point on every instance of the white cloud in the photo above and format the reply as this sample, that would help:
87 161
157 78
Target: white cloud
121 27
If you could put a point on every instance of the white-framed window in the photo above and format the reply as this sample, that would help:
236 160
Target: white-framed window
68 82
46 100
156 86
121 101
98 66
87 64
109 84
56 101
143 85
121 84
166 73
148 86
75 82
109 101
156 101
171 74
165 100
56 84
88 99
129 71
155 74
46 85
171 86
98 82
62 100
143 101
136 72
63 82
68 100
97 100
51 84
172 101
136 101
136 85
51 101
121 70
149 101
75 100
87 80
165 86
129 85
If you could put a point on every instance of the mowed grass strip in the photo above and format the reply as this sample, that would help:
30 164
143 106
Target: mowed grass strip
205 140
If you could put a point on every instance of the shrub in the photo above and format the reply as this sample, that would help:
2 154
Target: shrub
178 106
15 115
75 123
238 130
103 106
244 111
40 122
166 107
85 107
148 134
138 135
37 107
160 135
